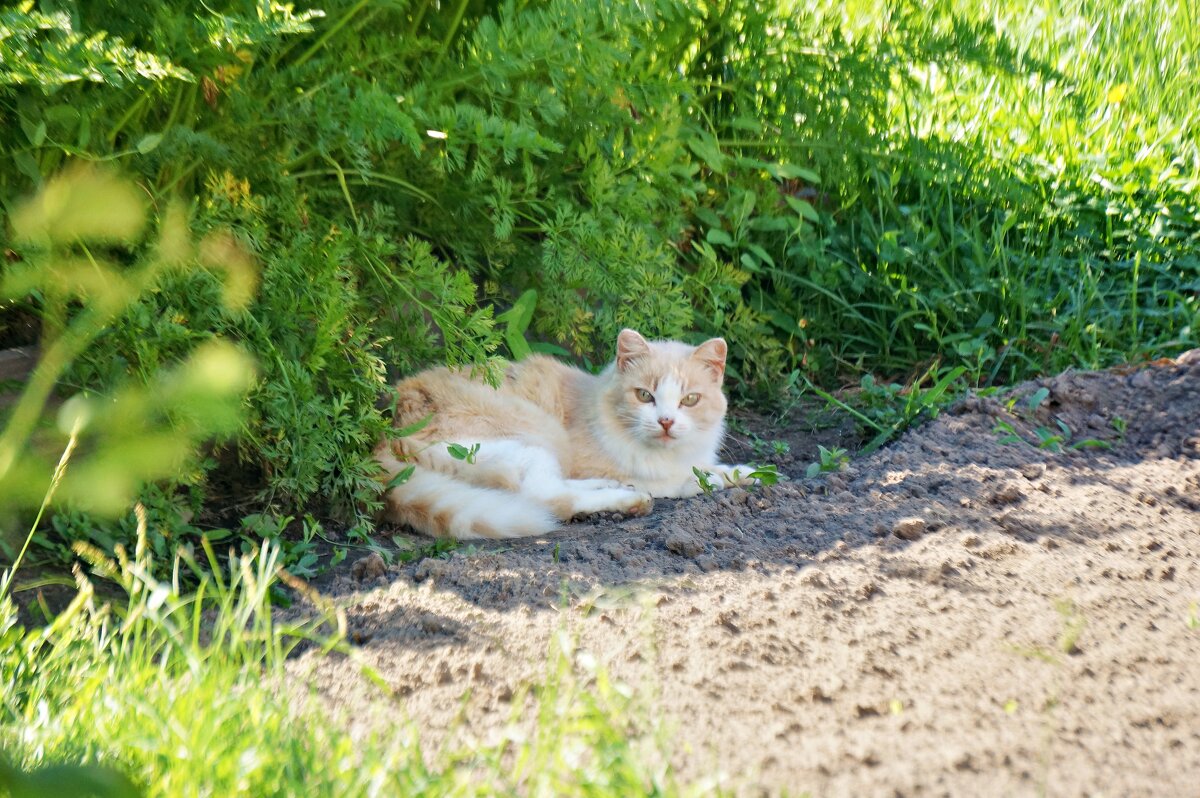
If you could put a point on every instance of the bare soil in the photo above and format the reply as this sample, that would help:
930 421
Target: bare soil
952 615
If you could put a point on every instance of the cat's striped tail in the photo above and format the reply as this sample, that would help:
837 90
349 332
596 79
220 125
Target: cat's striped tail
442 505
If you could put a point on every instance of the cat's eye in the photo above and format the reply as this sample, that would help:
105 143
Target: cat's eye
690 400
643 395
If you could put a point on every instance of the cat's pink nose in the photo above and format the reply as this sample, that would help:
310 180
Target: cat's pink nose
666 424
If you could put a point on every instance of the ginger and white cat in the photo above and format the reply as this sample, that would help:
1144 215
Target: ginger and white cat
556 442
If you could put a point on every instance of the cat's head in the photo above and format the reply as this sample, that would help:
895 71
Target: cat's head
667 394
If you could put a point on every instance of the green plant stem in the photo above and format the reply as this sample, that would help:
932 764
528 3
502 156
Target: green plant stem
1133 303
341 177
59 472
459 13
828 397
54 360
126 117
174 113
418 18
329 34
184 174
366 177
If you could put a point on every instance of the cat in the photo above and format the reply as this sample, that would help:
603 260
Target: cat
555 442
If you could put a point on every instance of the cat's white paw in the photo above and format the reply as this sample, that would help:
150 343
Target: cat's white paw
608 500
638 503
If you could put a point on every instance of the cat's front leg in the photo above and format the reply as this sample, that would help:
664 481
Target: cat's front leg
674 490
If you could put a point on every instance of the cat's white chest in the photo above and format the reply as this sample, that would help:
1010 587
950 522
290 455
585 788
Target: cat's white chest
663 471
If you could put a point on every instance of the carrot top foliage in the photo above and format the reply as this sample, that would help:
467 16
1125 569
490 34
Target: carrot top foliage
837 188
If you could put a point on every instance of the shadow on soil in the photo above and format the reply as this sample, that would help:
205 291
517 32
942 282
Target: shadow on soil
953 474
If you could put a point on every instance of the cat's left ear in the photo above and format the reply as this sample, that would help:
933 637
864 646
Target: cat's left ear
712 354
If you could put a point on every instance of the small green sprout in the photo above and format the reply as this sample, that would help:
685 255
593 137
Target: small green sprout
460 452
831 460
1048 439
1006 433
400 478
763 474
704 479
1035 399
1119 425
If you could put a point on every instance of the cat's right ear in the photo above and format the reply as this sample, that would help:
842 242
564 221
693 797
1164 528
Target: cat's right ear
712 353
630 346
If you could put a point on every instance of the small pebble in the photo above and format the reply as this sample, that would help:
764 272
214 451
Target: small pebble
909 528
442 673
1142 380
683 543
370 567
430 567
1009 494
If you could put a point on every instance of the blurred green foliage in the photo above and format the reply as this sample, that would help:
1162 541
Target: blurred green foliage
72 235
838 188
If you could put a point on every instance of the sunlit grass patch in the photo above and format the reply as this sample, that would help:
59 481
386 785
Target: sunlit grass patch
183 692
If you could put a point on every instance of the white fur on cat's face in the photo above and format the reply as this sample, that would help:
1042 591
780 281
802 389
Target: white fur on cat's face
667 394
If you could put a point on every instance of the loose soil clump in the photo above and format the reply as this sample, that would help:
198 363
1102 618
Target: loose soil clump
1003 602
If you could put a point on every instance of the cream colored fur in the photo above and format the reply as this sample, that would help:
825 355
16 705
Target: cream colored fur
556 442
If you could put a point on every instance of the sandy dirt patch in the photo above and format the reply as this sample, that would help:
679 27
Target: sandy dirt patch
951 615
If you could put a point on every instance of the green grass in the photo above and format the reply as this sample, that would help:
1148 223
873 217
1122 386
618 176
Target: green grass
1036 203
185 694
